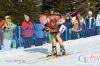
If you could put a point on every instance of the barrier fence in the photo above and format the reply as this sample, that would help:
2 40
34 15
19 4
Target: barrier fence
14 38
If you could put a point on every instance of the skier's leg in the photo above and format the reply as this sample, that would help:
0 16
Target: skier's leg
62 49
58 36
59 39
53 42
54 50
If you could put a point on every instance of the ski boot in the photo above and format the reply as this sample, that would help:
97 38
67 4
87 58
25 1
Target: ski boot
62 51
53 52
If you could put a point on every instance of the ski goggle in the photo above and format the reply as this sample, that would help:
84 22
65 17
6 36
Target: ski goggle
8 18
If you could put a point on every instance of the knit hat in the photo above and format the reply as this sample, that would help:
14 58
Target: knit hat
90 12
6 17
68 14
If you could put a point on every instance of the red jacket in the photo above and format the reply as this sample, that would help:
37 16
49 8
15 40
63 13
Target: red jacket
2 23
1 34
27 28
53 26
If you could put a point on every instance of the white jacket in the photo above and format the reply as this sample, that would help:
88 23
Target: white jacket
98 20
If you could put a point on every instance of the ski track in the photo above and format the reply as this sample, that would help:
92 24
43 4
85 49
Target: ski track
86 47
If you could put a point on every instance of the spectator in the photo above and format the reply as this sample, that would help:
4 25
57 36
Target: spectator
77 26
90 25
27 30
98 23
81 25
8 27
39 34
18 37
1 33
69 27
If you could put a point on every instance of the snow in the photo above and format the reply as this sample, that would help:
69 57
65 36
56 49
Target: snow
86 52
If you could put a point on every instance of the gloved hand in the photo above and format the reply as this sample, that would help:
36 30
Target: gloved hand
46 30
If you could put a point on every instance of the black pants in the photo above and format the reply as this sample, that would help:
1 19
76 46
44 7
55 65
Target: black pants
39 41
28 42
0 47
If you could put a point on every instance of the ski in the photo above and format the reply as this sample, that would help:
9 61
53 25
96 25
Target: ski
58 55
41 59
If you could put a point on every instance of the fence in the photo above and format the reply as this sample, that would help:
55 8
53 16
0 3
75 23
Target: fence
38 38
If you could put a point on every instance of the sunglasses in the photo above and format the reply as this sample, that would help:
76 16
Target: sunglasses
9 18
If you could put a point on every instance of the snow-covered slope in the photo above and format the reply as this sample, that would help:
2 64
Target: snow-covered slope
86 52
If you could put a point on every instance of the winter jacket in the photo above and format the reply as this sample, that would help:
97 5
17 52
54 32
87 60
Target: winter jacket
38 30
90 23
98 21
77 24
8 28
27 29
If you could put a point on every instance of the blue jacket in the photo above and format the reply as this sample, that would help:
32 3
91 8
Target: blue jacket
38 30
88 24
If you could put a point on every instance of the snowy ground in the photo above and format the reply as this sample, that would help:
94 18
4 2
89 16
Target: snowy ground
86 52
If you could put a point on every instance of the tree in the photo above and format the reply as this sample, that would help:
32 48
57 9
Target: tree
17 8
56 5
